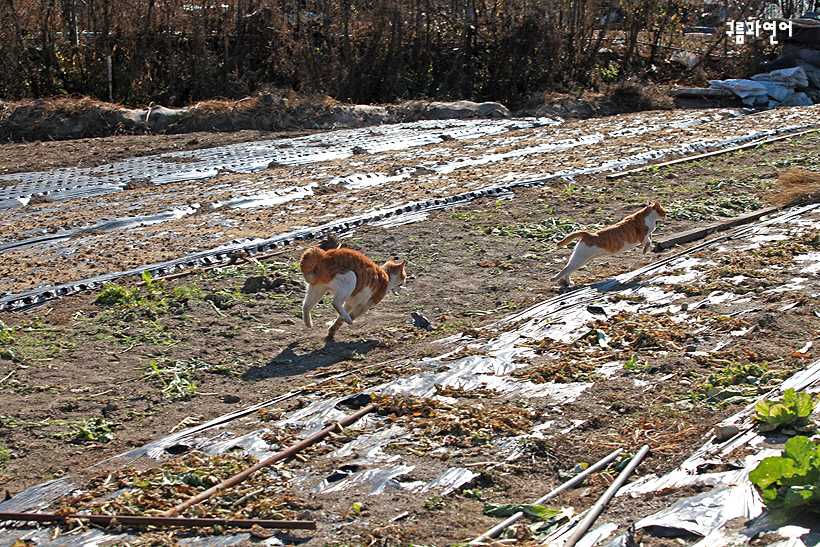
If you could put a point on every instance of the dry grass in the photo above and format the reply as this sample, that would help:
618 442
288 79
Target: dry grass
798 186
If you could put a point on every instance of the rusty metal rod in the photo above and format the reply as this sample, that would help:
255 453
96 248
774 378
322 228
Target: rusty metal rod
596 510
106 520
577 479
239 477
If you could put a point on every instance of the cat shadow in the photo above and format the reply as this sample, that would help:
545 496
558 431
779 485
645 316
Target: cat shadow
290 363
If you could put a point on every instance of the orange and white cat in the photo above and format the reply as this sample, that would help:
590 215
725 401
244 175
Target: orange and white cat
635 229
357 283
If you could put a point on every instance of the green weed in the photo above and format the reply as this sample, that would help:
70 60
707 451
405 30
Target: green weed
712 207
96 430
549 229
178 377
157 296
118 296
6 334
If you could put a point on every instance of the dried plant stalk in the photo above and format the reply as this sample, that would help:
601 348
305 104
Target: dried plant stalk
798 186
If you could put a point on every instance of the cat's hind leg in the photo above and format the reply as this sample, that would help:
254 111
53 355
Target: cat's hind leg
335 326
581 254
342 287
313 294
354 310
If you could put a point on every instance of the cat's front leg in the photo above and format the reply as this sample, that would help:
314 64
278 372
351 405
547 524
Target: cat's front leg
647 243
313 294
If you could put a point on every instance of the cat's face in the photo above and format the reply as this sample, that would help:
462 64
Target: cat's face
659 209
395 271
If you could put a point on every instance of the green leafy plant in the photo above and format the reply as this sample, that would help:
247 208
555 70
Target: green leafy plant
791 480
154 287
508 509
633 364
550 229
791 413
96 429
118 296
434 503
6 334
182 383
737 381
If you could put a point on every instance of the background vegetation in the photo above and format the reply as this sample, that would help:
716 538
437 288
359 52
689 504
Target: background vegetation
175 52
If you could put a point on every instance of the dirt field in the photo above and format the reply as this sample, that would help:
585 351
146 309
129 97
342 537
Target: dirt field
81 381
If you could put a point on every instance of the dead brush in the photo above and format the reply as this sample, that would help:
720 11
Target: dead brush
797 187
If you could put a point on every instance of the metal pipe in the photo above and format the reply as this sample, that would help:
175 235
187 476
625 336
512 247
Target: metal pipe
596 510
577 479
106 520
239 477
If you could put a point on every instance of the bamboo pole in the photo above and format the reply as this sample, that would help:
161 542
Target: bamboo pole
106 520
595 511
239 477
577 479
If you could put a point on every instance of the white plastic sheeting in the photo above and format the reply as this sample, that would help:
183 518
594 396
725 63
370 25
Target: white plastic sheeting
494 157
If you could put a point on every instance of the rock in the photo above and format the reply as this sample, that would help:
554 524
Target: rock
798 99
157 117
420 322
257 284
794 77
812 72
724 432
160 117
467 109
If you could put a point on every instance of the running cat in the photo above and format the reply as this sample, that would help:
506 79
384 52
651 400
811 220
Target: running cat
635 229
357 283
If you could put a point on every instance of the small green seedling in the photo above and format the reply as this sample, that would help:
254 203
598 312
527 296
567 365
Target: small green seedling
96 430
508 509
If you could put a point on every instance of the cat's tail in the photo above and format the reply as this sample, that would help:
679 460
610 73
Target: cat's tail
308 262
570 237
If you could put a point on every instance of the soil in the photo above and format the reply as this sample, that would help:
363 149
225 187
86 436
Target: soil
189 349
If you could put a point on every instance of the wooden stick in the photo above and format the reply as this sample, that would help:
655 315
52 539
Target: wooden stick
106 520
596 510
577 479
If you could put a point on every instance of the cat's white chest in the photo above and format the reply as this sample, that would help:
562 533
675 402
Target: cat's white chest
651 221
